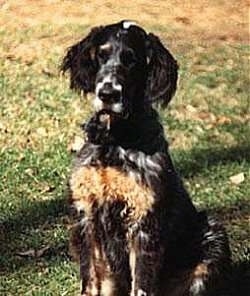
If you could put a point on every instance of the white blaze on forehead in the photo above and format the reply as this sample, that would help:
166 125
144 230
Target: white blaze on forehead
127 24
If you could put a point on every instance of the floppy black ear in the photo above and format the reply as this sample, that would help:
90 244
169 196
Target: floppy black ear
81 63
163 72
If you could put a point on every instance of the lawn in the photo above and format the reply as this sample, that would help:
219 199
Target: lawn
207 125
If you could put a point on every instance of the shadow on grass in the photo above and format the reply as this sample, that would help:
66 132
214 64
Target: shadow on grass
191 162
237 283
240 281
37 213
50 212
35 217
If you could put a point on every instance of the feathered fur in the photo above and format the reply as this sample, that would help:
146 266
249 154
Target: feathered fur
137 231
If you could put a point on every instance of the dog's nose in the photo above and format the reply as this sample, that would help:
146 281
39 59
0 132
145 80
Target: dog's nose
109 94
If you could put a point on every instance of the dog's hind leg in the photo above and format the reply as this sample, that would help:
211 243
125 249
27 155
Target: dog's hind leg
214 266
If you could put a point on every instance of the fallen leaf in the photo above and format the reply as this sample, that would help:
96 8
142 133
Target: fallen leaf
28 253
47 188
42 251
29 172
207 116
47 72
191 108
41 131
32 253
237 179
184 20
223 120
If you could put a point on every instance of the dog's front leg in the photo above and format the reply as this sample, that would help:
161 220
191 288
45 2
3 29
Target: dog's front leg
88 254
80 249
145 262
85 262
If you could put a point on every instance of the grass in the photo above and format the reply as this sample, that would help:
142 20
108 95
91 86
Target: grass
207 126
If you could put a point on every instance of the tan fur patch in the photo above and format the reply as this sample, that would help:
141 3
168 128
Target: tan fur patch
97 271
101 276
107 287
92 184
92 53
201 270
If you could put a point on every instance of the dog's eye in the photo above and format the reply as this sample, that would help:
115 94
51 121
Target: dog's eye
104 55
128 58
104 52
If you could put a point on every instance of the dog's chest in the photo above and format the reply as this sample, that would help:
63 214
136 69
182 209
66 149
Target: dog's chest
93 186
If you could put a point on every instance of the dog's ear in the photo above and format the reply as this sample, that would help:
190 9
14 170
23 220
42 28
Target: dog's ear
163 72
81 63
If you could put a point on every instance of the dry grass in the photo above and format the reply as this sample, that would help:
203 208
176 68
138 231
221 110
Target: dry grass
204 20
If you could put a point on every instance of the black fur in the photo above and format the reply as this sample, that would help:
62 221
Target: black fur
156 70
173 240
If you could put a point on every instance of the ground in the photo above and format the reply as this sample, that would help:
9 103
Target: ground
207 124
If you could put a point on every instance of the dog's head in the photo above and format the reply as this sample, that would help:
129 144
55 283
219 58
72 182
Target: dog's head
124 66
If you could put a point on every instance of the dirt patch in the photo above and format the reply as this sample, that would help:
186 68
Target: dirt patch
205 20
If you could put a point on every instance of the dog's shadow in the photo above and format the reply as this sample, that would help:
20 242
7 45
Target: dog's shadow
33 217
20 235
239 284
191 162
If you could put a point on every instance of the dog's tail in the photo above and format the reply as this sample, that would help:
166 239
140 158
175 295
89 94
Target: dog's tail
215 264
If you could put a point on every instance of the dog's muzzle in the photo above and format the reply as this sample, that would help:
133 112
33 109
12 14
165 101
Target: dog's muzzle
108 95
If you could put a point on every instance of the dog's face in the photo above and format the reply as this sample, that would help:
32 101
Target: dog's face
124 67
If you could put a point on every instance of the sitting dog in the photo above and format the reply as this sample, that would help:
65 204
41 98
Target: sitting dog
138 232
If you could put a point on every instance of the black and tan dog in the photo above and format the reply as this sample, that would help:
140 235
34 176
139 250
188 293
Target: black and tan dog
138 232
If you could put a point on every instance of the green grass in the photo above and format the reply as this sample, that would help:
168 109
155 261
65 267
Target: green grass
207 126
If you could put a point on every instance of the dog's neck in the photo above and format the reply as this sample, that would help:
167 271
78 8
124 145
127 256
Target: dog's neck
140 131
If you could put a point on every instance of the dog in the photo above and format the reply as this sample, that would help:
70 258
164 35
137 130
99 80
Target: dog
137 232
